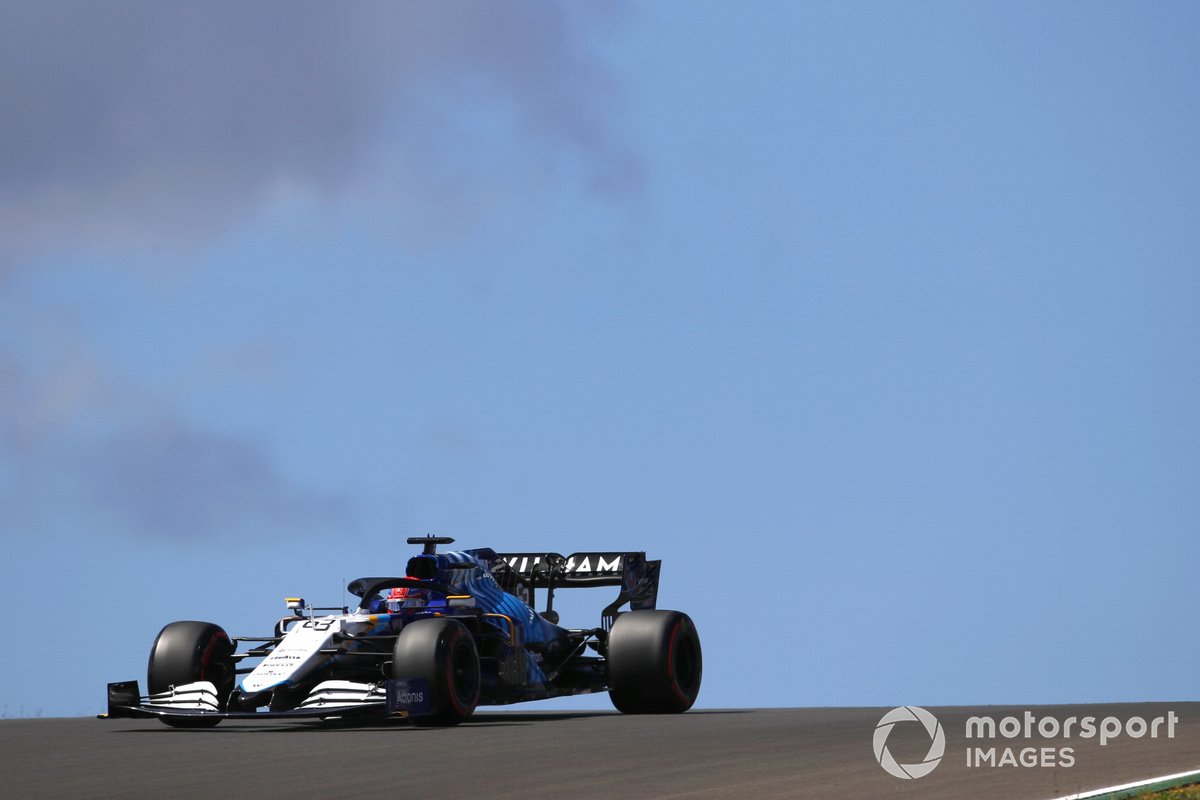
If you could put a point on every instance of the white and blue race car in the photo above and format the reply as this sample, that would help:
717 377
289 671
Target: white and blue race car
458 631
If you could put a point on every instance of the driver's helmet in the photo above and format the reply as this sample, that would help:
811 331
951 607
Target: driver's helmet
397 598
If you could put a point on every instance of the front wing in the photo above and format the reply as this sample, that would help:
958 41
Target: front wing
392 698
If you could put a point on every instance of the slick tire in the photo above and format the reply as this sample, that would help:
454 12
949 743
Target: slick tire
441 652
654 662
190 651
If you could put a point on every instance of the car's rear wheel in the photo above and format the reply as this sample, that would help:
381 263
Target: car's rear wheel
442 653
654 662
186 652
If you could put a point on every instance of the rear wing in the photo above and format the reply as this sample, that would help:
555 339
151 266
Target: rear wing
637 577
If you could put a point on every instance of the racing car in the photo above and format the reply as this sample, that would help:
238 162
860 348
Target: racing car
459 630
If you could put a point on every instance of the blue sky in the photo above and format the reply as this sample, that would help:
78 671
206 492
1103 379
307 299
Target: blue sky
876 322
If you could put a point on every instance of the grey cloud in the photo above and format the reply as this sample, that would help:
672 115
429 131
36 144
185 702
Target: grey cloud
73 440
134 125
132 122
174 480
34 404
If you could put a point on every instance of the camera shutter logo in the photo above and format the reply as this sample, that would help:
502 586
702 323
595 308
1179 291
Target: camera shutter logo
937 747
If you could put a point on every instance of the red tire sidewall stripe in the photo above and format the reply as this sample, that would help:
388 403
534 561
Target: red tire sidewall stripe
206 656
671 645
451 690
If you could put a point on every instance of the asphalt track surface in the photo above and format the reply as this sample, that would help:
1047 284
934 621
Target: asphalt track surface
742 753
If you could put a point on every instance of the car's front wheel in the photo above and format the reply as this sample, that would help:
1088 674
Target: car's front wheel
186 652
442 653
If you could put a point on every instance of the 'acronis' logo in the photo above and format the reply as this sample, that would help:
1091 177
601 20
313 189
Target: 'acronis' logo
408 698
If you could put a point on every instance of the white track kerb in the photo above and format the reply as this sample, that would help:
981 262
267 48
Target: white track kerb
1137 787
